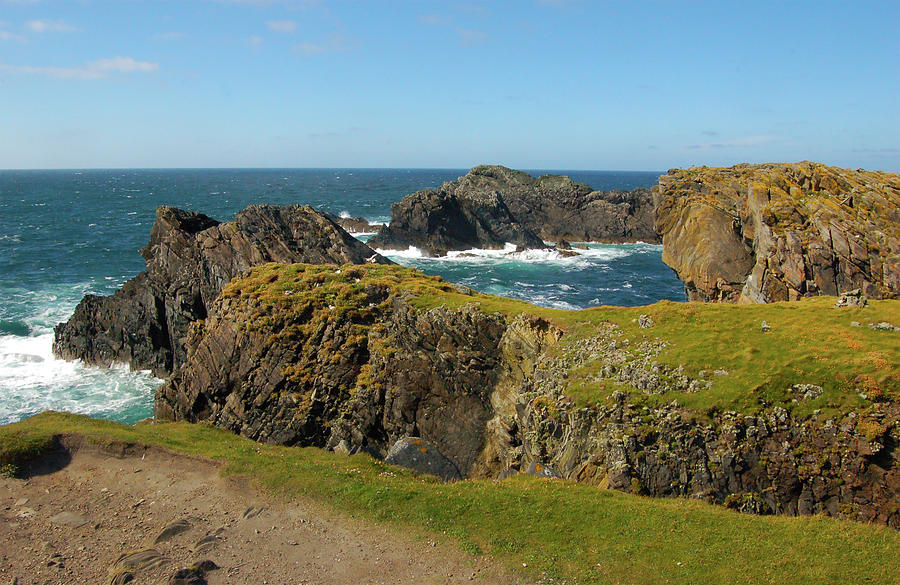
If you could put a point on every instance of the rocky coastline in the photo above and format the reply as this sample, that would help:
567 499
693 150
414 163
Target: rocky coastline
350 363
282 327
189 259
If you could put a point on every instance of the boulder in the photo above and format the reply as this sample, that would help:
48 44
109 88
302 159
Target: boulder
775 232
414 453
189 259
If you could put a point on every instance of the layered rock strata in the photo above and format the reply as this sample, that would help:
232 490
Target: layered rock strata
348 359
493 205
189 259
772 232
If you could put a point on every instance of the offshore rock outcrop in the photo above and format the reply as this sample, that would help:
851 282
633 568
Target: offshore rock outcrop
773 232
493 205
189 259
349 359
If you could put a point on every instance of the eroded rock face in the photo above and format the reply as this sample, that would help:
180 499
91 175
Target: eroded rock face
344 359
493 205
774 232
189 259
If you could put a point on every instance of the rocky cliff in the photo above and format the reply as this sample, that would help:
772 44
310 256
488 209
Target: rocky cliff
361 358
189 259
493 205
771 232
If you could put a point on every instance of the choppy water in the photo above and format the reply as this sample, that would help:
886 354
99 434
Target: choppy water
64 234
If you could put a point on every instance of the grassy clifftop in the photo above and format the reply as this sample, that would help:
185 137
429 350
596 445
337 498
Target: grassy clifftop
722 348
557 529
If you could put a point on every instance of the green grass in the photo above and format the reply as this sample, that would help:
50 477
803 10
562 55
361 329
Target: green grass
810 342
566 530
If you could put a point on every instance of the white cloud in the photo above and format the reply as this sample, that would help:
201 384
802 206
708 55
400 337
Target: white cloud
282 26
93 70
337 43
255 41
8 36
42 26
170 36
470 37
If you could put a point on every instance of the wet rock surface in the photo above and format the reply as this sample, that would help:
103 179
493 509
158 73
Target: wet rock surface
775 232
189 259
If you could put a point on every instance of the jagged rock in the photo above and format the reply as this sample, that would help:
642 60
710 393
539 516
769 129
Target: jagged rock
807 391
347 360
355 225
883 326
538 469
774 232
852 298
414 453
189 259
494 205
645 321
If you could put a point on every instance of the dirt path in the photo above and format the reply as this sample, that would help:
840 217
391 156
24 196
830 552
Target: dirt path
72 522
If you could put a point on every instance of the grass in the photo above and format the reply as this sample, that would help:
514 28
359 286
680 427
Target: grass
810 342
534 526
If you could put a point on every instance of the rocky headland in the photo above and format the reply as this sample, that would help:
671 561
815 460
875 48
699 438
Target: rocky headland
189 259
361 358
282 327
773 232
493 205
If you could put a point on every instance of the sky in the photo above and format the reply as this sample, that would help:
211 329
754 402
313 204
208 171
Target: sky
534 84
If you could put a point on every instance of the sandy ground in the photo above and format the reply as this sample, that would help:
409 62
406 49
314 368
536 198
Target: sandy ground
73 519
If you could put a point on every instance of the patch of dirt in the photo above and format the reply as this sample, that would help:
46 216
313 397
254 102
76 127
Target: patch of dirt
92 515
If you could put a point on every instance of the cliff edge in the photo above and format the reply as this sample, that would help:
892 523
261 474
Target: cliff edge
380 358
773 232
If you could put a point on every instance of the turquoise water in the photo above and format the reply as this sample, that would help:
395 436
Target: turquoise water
64 234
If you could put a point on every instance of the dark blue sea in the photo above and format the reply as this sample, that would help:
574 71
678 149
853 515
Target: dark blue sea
64 234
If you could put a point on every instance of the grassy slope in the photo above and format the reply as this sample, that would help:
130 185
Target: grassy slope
810 342
564 529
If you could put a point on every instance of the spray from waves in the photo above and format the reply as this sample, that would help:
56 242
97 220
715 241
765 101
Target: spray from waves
583 257
33 380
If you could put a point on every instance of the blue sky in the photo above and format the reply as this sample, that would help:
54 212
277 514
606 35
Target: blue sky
529 84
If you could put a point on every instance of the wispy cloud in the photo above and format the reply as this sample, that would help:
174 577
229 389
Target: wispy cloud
8 36
470 37
744 142
709 133
92 70
434 19
255 41
335 44
42 26
170 36
282 26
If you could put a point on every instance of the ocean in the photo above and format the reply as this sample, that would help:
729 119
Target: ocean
67 233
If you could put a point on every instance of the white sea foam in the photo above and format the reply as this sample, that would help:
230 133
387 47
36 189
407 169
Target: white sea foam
345 214
409 253
579 258
33 380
